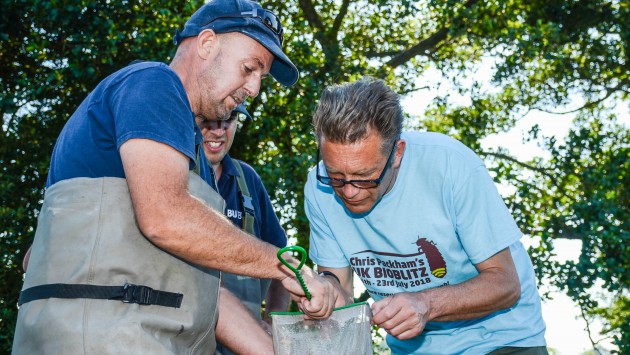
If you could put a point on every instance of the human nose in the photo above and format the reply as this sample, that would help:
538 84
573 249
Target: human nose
252 86
349 190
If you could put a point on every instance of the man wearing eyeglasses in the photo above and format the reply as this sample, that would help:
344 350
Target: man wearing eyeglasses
248 206
131 235
416 216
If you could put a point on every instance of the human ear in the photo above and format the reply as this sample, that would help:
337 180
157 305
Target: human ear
206 43
400 150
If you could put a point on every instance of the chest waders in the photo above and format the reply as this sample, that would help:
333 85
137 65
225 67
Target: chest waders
250 291
87 235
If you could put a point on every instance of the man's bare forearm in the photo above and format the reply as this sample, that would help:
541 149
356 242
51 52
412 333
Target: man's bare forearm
183 225
238 330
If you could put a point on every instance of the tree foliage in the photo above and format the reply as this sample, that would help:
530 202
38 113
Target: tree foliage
52 54
543 56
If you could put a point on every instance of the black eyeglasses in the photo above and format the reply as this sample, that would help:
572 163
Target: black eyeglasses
267 17
361 184
224 123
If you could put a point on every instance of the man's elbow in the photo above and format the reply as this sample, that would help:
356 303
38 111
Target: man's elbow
156 229
513 293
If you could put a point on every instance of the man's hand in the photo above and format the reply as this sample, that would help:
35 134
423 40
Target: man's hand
342 280
403 315
324 295
342 298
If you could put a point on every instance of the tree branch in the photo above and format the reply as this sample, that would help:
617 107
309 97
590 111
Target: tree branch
609 92
327 39
403 93
588 328
425 46
311 15
339 19
373 54
525 165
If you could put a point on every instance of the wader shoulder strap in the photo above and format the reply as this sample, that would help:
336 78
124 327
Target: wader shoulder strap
246 199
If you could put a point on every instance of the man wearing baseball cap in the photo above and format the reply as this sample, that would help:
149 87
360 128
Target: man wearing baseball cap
131 235
249 18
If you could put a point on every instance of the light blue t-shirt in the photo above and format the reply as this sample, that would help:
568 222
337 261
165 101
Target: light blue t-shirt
442 216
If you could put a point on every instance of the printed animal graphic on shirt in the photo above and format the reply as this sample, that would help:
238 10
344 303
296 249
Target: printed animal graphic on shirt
434 257
384 273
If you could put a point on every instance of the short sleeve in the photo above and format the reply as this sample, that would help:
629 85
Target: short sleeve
152 104
483 222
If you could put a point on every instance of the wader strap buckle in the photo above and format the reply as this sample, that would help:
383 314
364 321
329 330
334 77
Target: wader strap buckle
248 206
145 295
137 294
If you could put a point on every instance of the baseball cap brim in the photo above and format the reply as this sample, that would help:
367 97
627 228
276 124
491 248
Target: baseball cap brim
282 69
241 109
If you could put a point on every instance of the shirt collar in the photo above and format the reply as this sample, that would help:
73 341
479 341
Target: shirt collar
228 166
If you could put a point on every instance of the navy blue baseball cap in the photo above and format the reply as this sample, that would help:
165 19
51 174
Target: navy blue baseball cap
249 18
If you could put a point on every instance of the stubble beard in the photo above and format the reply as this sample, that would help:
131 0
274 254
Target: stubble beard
211 108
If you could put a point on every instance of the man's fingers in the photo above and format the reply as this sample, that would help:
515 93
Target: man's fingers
318 307
407 333
323 294
293 286
404 325
323 298
383 310
399 316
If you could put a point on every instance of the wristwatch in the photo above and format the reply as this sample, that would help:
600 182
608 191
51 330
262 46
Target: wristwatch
328 273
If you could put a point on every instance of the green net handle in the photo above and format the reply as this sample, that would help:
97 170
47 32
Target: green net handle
302 253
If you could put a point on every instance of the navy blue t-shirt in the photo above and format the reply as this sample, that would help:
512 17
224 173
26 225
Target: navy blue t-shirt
145 100
266 224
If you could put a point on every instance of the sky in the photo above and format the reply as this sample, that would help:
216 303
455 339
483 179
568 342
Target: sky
565 328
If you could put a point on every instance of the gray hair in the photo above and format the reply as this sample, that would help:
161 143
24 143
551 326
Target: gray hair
346 112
